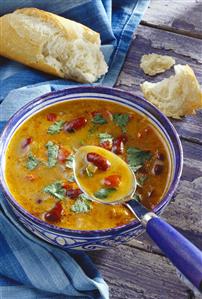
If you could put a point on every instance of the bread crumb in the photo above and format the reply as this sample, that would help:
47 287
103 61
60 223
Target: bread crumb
153 64
177 95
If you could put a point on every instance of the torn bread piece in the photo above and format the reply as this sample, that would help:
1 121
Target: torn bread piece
153 64
177 95
52 44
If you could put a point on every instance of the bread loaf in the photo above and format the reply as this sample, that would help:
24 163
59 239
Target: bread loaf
176 96
52 44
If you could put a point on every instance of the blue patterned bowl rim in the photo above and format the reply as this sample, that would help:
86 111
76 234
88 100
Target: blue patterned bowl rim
108 91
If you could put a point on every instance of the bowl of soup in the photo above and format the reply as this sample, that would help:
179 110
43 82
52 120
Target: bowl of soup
38 146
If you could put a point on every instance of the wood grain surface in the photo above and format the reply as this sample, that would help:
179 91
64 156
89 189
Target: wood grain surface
138 269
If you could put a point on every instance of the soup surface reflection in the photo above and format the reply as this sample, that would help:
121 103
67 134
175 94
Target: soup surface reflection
39 161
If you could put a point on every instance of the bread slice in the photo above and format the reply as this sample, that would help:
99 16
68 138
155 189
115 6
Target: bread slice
176 96
52 44
153 64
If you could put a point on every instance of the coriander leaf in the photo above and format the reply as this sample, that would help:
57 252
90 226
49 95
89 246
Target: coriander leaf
105 137
121 120
99 119
84 197
104 192
56 190
56 127
71 179
69 163
81 205
32 162
141 180
53 150
136 157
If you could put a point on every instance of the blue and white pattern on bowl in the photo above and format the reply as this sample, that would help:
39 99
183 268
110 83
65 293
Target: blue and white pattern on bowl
94 239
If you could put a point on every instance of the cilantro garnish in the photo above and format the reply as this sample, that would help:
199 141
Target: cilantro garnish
104 192
81 205
69 163
56 190
56 127
136 157
71 179
105 137
99 119
121 120
53 150
32 162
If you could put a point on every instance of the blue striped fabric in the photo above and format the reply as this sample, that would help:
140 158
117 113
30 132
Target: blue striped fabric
29 267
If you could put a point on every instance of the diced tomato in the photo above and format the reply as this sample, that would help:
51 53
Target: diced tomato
51 117
73 193
75 124
55 213
118 146
62 155
106 144
112 180
26 142
99 161
30 177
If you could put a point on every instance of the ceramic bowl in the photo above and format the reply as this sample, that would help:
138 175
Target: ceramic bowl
94 239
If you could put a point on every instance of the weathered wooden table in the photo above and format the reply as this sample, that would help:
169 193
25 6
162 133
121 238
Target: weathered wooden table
138 269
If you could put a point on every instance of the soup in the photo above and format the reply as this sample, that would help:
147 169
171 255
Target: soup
40 156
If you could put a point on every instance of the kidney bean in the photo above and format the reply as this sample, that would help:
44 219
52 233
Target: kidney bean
51 117
26 142
99 161
62 155
157 169
55 213
73 193
75 124
112 180
107 145
160 156
118 146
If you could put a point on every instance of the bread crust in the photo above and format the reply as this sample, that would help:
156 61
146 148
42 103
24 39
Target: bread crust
17 44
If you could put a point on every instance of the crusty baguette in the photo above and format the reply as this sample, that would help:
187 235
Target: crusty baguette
176 96
153 64
52 44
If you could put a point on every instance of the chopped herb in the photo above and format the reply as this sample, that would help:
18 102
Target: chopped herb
141 180
81 205
69 163
121 120
104 192
137 157
32 162
53 150
99 119
137 197
71 179
56 127
105 137
56 190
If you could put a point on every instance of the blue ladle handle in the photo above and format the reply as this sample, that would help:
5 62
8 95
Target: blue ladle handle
181 252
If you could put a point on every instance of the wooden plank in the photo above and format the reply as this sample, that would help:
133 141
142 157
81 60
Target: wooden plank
135 274
184 49
179 16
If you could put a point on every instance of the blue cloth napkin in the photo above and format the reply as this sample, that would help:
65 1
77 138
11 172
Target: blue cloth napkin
29 267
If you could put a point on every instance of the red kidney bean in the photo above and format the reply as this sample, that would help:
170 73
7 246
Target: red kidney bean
99 161
75 124
26 142
51 117
62 155
118 146
160 156
106 144
112 180
157 169
73 193
55 213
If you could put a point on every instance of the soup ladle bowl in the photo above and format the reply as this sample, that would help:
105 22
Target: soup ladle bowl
180 251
